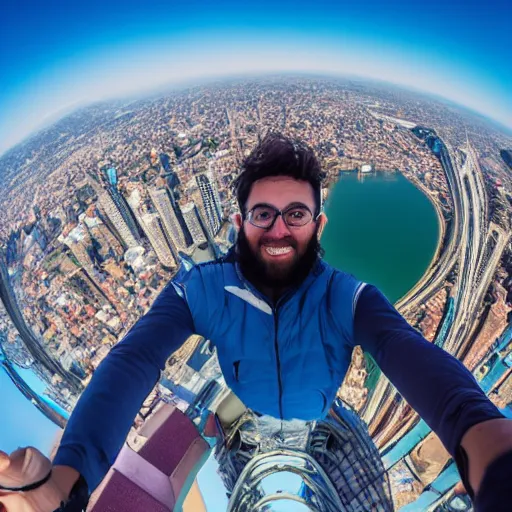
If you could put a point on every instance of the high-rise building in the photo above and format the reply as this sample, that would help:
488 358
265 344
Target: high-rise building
116 208
211 200
155 233
191 216
169 213
127 214
152 225
119 223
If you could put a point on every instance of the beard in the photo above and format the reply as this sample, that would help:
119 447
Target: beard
276 276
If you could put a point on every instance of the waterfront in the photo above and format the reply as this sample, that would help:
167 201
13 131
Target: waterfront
382 229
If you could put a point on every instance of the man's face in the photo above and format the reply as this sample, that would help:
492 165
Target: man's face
278 252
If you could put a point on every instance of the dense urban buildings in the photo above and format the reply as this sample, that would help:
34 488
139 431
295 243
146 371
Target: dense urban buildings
101 209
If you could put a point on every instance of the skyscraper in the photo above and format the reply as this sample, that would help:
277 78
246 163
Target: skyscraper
111 175
211 201
163 246
169 214
155 233
190 214
113 212
116 208
122 205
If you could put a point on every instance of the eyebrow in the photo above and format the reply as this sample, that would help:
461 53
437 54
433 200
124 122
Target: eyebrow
290 205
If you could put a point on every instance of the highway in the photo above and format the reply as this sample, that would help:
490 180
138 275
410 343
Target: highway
482 245
435 277
474 248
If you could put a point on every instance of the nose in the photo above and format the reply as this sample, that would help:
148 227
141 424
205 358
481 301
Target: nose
279 229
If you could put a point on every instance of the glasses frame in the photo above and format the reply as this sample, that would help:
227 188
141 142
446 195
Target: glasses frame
281 213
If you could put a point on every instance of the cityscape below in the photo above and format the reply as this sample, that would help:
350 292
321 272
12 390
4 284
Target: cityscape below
104 207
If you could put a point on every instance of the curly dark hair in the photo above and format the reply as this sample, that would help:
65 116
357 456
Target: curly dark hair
278 155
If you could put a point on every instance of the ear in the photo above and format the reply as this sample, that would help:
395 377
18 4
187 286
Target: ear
237 221
322 221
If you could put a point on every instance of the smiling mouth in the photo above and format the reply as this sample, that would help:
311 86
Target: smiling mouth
277 251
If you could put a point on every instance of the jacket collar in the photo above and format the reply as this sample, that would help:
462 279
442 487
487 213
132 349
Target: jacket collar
231 257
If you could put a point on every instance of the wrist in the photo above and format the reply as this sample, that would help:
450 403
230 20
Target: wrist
78 498
64 478
56 491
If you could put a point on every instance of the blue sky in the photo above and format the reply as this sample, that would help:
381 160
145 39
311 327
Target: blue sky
55 56
23 423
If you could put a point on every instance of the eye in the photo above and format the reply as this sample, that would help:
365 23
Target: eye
296 214
262 215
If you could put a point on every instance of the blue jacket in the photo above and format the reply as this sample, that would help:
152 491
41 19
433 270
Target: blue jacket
287 360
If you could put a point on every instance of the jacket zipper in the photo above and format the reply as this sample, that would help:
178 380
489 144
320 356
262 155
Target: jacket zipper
275 309
278 363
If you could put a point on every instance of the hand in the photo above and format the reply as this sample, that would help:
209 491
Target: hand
24 467
484 443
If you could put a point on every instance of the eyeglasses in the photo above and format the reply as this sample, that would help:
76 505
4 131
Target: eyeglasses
265 215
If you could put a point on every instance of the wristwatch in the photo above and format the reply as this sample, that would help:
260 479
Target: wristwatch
78 498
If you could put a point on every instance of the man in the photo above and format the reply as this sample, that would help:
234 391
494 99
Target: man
284 324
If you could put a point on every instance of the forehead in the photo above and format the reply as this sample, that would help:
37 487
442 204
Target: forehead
280 191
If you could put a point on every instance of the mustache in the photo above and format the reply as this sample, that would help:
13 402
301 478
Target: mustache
259 273
270 239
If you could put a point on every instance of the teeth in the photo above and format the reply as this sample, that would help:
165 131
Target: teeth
274 251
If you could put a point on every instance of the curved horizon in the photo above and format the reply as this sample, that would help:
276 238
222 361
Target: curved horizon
55 60
67 110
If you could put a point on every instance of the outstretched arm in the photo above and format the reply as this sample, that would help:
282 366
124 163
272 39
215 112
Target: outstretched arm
437 385
105 412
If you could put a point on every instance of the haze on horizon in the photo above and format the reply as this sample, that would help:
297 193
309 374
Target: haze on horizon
54 59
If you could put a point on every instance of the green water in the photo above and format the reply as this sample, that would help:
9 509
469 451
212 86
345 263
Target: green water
384 231
381 229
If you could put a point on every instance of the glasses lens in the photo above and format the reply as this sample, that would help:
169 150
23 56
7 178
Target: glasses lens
262 216
297 216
